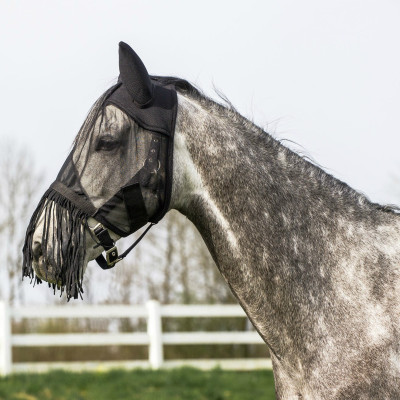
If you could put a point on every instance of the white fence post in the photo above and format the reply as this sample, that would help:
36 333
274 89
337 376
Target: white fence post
154 330
5 339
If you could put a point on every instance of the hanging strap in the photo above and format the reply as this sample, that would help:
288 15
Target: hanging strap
133 245
105 240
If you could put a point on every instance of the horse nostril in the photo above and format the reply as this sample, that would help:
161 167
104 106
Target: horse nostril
37 251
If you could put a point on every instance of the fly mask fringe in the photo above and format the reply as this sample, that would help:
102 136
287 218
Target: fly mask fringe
63 243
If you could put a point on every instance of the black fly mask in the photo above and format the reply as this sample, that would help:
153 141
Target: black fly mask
121 177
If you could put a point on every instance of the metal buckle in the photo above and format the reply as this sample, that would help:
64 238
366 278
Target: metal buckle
98 225
112 256
93 233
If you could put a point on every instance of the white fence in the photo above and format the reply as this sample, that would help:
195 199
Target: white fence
154 338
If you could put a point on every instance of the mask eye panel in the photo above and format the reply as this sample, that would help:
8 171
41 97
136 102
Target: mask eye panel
107 143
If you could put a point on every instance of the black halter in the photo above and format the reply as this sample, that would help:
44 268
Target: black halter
100 233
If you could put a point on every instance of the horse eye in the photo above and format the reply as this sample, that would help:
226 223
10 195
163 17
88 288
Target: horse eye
107 143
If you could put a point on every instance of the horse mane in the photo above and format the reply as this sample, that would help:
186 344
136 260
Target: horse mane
186 88
181 85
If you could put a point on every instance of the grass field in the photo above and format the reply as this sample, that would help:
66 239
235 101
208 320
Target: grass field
177 384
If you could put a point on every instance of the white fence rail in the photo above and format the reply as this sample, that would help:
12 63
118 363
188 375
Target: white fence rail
153 311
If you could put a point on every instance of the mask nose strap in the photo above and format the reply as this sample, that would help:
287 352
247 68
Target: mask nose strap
104 240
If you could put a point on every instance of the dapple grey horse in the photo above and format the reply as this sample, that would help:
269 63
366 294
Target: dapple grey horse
314 264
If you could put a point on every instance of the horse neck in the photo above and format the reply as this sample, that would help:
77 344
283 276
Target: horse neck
267 215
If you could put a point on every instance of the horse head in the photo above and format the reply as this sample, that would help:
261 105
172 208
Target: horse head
117 178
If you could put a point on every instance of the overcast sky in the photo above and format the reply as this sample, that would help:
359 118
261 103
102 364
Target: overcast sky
322 73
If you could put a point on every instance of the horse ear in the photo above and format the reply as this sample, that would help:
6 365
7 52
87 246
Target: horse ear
134 76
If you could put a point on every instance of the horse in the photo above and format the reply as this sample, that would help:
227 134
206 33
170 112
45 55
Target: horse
314 264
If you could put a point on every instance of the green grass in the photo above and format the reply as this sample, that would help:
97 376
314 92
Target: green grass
177 384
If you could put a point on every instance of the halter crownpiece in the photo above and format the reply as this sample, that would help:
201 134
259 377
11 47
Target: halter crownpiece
146 175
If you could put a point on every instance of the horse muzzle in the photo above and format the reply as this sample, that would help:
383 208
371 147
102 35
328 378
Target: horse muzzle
43 269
